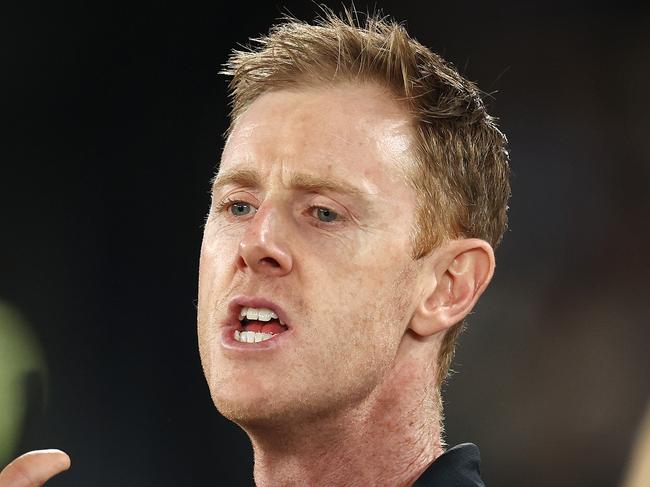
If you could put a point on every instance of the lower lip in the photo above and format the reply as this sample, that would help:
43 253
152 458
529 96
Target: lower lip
229 343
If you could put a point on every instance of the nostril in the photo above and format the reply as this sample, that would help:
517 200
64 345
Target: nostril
241 263
263 257
270 261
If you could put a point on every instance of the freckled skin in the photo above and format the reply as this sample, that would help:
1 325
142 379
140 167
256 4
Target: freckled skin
341 291
349 288
349 396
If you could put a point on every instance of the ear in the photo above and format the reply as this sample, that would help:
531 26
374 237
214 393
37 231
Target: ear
456 275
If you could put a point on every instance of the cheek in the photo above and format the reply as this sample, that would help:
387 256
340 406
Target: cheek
218 251
369 274
367 307
207 270
216 267
355 349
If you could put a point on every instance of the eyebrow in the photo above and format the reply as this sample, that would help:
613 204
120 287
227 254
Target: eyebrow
238 177
249 178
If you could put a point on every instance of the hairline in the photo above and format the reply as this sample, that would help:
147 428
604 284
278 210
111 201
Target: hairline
306 82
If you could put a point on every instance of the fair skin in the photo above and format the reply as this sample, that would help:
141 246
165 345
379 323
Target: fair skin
347 395
311 217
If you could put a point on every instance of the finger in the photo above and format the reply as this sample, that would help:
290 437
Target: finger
35 468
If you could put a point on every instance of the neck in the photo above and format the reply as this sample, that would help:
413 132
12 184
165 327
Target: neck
388 439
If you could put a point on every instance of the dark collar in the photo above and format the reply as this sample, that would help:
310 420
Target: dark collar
457 467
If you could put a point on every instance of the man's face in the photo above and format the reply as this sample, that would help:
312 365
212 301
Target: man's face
311 217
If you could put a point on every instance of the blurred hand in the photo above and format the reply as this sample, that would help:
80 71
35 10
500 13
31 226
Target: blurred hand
35 468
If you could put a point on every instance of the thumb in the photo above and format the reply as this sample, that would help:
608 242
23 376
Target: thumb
35 468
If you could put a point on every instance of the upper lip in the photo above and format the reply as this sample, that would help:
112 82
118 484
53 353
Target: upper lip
238 302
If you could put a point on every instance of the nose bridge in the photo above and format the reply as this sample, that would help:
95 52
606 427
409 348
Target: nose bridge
264 246
265 224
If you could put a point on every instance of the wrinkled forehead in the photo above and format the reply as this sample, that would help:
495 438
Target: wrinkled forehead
354 131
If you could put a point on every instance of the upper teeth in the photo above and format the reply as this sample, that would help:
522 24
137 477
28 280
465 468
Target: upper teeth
259 314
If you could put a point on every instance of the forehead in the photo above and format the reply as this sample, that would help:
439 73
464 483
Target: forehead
353 132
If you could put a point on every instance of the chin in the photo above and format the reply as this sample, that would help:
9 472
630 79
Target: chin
252 412
245 400
260 408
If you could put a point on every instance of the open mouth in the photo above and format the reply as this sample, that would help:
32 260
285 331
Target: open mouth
258 325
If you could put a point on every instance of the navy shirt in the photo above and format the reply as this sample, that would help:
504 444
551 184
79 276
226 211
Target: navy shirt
457 467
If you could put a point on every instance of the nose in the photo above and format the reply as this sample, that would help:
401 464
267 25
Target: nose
264 246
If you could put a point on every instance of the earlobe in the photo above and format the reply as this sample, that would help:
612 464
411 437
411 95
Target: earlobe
458 275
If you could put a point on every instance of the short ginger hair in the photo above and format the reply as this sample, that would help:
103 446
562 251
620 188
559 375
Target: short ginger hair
460 171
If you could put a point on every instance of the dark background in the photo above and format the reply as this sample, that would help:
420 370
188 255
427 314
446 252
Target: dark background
111 129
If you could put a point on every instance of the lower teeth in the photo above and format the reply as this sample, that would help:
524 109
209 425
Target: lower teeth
251 336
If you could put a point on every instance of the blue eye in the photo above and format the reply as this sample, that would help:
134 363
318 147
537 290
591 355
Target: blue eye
239 208
326 215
